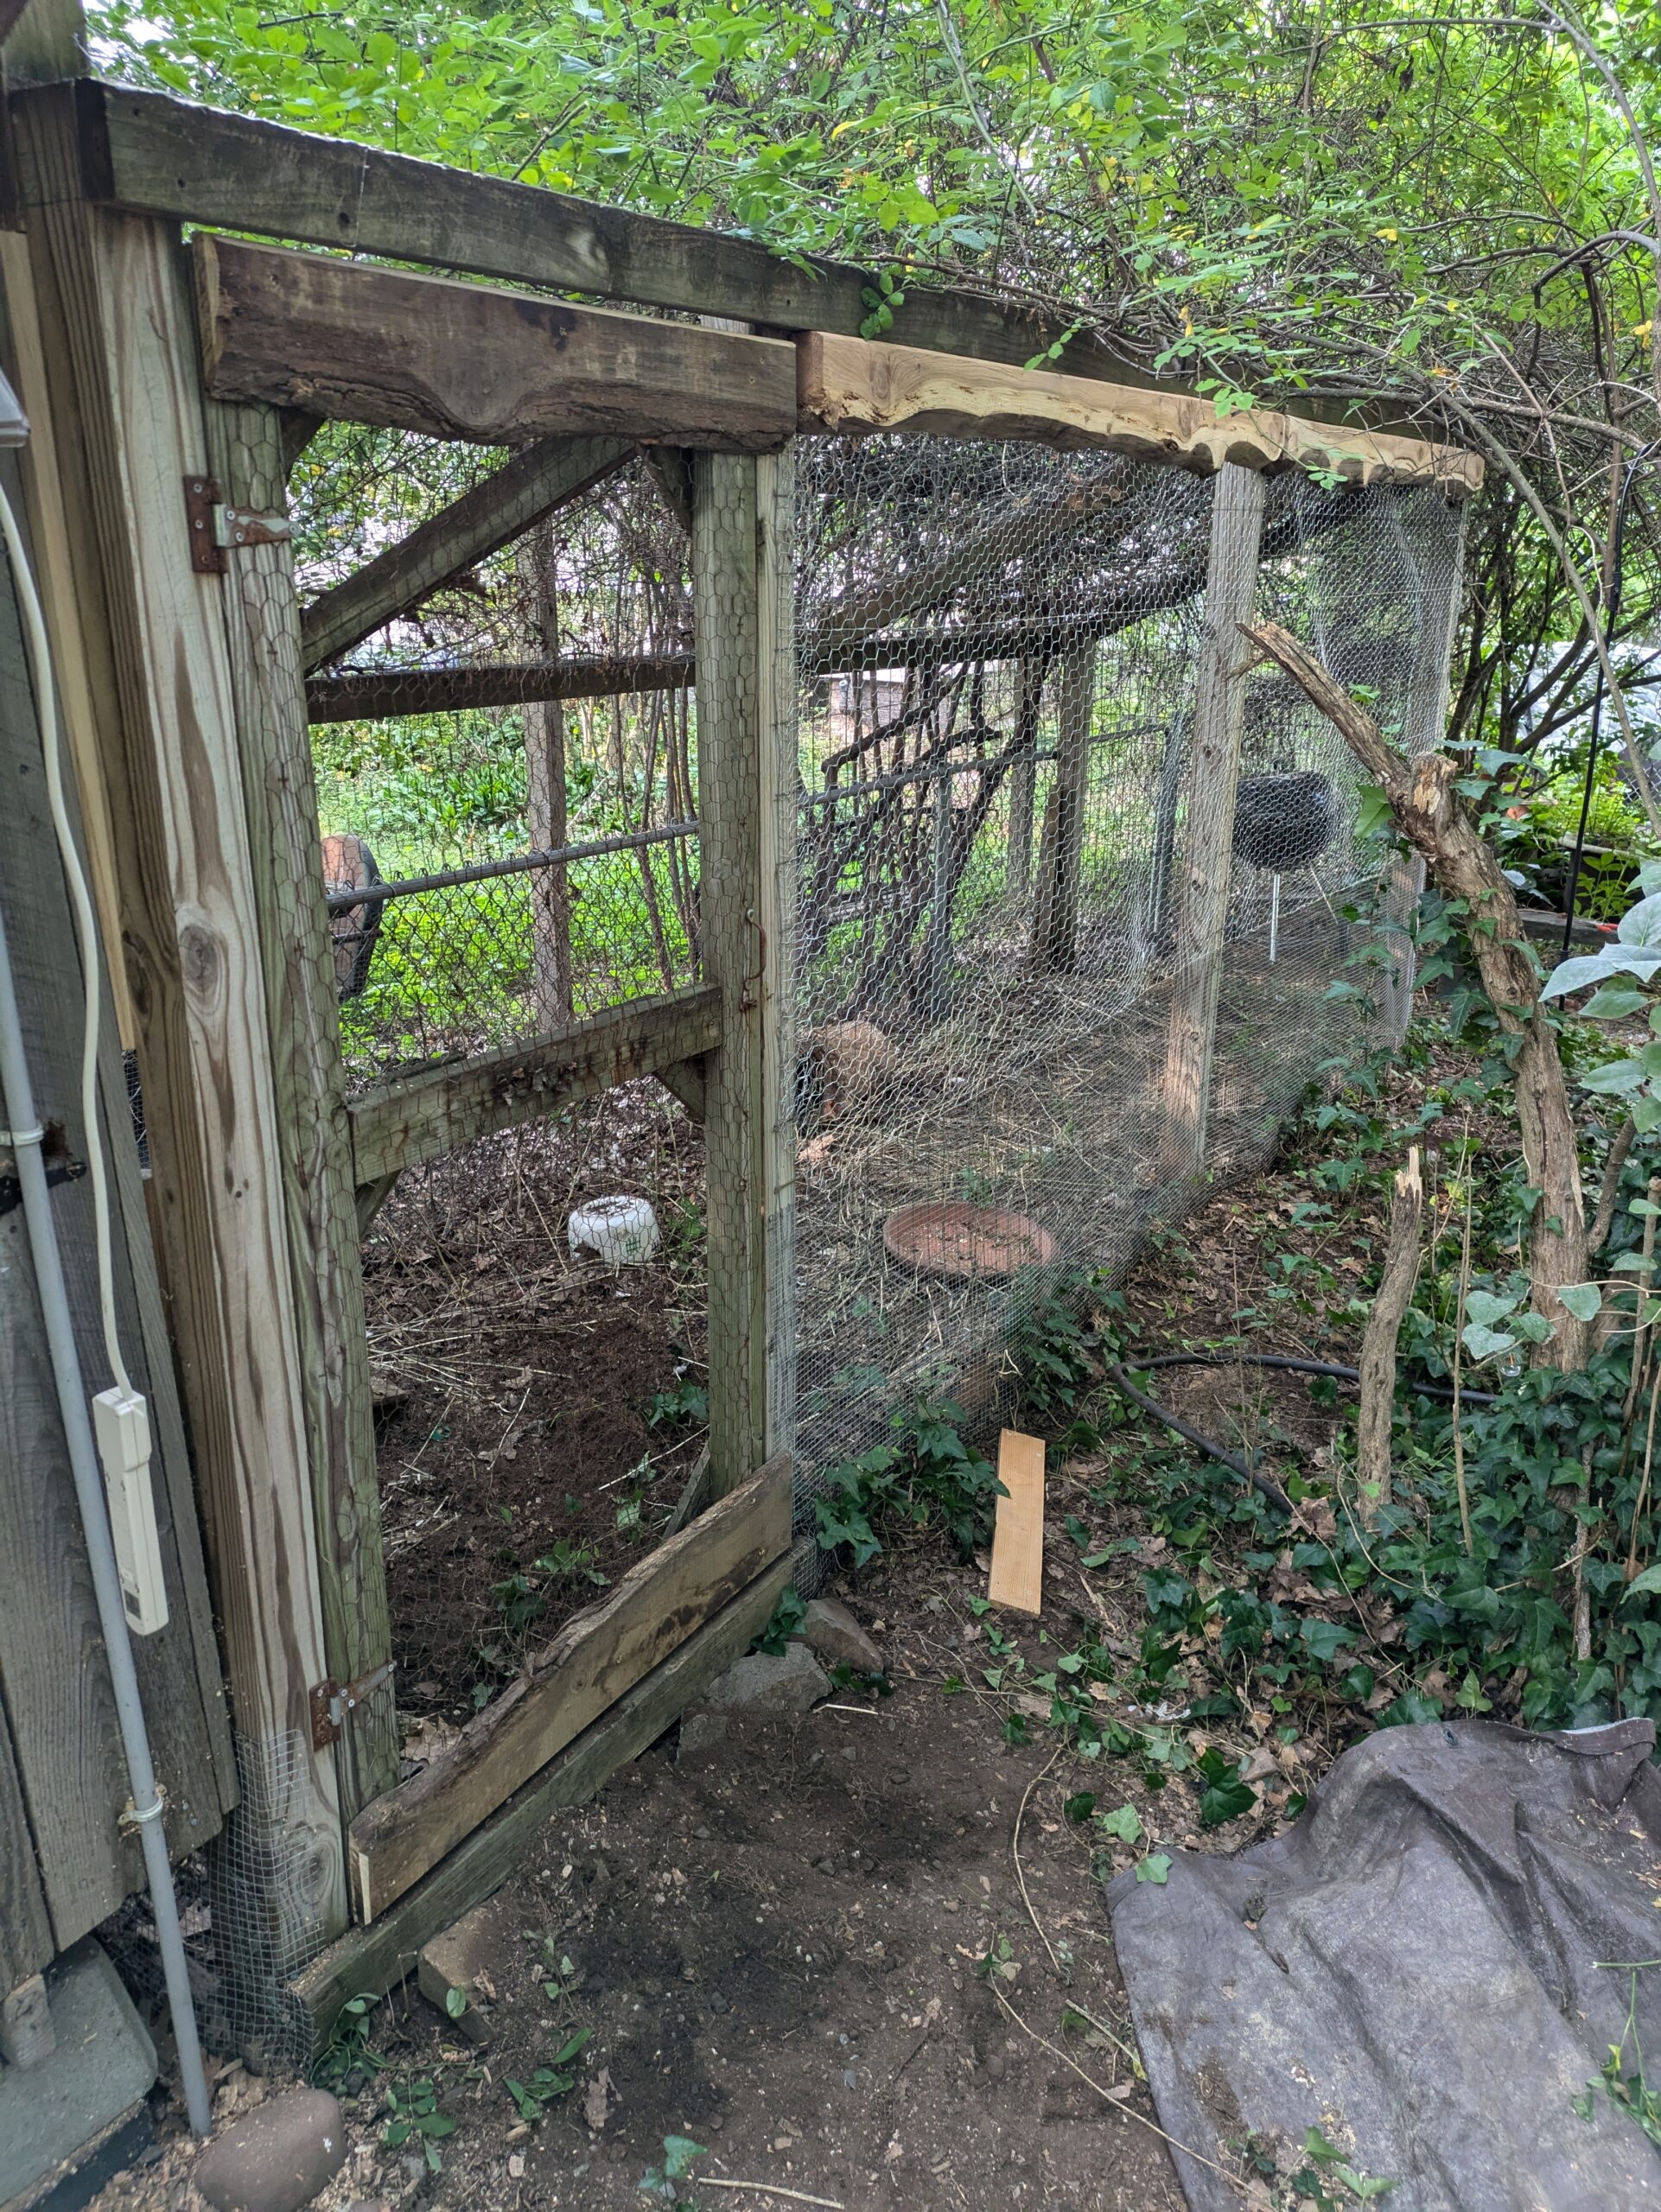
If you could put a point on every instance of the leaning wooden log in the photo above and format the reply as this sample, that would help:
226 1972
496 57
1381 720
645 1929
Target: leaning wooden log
1423 796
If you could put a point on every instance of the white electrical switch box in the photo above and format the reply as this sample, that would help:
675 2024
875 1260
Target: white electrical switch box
121 1423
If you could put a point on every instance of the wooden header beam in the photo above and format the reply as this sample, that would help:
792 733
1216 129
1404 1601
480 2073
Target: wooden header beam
159 156
165 156
847 384
371 345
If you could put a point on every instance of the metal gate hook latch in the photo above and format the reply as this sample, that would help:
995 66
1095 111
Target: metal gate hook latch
334 1703
216 531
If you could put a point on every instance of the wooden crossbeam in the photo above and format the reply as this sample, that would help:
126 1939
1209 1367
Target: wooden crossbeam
586 1668
374 696
514 498
423 1116
166 156
848 383
363 344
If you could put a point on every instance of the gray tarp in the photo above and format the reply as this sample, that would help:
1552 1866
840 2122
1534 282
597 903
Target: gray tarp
1421 1980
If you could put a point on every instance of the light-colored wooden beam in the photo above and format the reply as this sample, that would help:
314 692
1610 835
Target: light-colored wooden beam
423 1116
561 1689
517 496
119 338
848 383
362 344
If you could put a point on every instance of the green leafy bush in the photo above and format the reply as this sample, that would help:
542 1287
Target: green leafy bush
927 1478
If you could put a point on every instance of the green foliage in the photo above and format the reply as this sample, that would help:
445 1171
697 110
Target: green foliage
412 2109
663 2183
346 2059
550 2083
784 1626
1050 1343
927 1478
686 1405
1628 2091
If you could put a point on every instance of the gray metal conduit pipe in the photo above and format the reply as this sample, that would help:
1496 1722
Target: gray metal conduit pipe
146 1809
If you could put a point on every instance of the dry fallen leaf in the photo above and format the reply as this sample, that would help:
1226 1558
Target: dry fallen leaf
596 2100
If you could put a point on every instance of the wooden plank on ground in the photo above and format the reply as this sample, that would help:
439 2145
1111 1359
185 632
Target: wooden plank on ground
423 1116
1017 1577
510 501
586 1668
377 1958
849 383
362 344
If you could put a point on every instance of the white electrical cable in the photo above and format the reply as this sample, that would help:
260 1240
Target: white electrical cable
87 929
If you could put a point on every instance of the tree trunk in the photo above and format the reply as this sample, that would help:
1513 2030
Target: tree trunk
1426 805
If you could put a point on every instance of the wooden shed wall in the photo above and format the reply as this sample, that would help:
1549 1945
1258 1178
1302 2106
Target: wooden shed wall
65 1862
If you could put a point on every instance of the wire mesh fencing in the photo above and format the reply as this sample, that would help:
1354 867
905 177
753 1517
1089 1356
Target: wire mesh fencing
506 771
998 661
998 653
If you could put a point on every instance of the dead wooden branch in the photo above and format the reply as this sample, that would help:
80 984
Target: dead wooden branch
1378 1344
1423 797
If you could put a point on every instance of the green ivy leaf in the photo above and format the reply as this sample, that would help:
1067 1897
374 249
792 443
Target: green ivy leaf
1124 1822
1582 1300
1157 1867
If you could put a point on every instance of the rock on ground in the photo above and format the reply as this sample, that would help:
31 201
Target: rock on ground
832 1634
792 1682
286 2152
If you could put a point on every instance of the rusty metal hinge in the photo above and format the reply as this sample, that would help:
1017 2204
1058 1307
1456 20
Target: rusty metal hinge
216 531
334 1703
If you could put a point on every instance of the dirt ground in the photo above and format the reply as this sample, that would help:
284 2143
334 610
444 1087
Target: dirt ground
862 1956
775 1943
521 1466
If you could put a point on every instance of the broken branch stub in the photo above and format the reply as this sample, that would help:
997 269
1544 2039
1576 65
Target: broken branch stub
1423 797
1378 1344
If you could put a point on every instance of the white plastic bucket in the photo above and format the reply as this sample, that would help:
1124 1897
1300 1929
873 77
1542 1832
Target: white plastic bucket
620 1231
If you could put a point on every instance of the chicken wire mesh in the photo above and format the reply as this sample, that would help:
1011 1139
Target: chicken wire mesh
999 650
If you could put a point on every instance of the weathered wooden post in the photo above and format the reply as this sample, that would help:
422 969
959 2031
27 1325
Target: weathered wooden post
746 705
1219 709
311 1131
1023 778
1055 919
545 788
